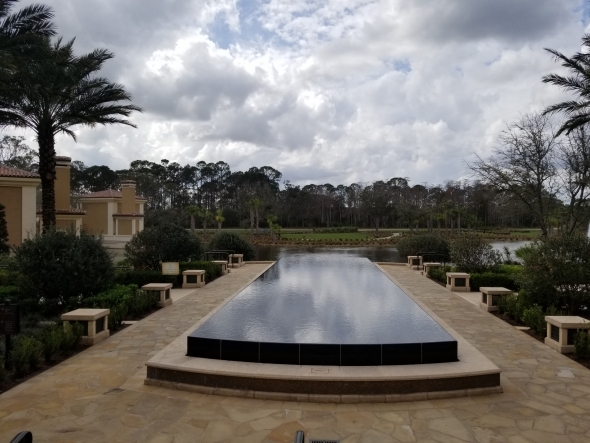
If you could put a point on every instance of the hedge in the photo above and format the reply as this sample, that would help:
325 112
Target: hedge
493 279
143 277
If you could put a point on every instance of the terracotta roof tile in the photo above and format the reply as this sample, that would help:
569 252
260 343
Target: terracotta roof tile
66 211
7 171
107 193
133 214
63 158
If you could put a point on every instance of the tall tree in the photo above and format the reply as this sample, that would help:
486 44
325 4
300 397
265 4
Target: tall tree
523 166
56 95
578 82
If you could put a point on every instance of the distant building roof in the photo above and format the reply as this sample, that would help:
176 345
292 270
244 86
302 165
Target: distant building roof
7 171
107 193
71 211
63 158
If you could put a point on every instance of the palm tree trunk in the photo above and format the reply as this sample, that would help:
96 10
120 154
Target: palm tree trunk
47 173
192 224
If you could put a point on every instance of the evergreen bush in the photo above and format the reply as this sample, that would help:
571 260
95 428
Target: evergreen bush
471 253
534 318
59 268
162 243
26 354
556 272
412 244
582 343
235 242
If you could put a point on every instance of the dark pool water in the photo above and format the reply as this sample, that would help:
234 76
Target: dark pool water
323 298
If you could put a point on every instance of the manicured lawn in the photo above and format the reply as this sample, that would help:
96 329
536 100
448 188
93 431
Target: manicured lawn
329 236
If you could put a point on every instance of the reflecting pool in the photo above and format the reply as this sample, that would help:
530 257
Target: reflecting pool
323 308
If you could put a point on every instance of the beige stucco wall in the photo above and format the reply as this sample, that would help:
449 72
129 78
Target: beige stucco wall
11 198
62 187
124 227
96 220
29 211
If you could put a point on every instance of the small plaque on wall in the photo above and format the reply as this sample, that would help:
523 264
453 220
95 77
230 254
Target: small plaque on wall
170 268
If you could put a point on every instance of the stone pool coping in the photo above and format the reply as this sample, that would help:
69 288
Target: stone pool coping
473 374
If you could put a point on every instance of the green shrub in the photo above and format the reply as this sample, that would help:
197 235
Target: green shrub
493 279
3 371
235 242
470 253
52 338
162 243
515 305
556 271
412 244
59 268
72 335
143 277
26 354
123 301
439 274
534 318
9 293
8 277
582 343
212 271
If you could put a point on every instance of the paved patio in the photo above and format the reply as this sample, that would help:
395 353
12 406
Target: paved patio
99 395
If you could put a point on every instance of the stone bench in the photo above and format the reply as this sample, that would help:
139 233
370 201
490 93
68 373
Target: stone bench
561 330
236 260
94 321
414 262
428 265
490 297
164 291
193 278
458 281
223 264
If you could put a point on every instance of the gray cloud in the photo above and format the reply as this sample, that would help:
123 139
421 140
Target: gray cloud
333 91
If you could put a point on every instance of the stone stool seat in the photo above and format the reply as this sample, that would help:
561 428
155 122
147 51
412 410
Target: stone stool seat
193 278
94 321
236 260
490 297
561 330
458 281
223 264
414 262
163 289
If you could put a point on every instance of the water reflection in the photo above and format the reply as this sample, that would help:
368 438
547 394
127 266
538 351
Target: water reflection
374 253
323 297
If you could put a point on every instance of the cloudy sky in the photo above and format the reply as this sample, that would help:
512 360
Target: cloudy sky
326 91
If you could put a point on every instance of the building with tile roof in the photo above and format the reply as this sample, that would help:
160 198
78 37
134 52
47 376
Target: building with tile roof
66 217
18 194
112 212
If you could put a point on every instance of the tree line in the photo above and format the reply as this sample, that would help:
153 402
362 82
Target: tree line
538 176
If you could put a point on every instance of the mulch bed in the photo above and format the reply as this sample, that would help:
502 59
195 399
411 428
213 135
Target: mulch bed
12 381
584 361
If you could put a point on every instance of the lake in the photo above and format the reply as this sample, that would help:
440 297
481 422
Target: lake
373 253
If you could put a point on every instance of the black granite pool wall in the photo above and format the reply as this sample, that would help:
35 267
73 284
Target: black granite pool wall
323 354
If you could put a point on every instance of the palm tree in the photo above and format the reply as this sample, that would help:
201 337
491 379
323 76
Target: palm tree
55 95
20 31
219 218
193 211
577 112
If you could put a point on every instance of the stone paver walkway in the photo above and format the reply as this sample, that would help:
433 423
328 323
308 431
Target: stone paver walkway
99 396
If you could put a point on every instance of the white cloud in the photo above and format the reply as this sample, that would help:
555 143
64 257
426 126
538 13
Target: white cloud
325 91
